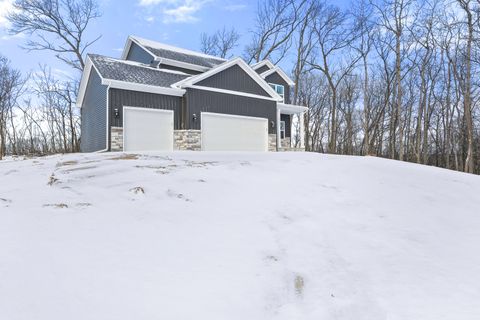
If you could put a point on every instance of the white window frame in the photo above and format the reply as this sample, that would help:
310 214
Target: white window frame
274 87
283 129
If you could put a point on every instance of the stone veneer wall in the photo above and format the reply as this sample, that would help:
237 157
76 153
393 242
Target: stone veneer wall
272 142
286 142
117 139
187 140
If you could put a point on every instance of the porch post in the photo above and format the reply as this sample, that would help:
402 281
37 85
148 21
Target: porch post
302 130
279 143
291 130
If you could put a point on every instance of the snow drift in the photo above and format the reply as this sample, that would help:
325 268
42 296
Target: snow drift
236 236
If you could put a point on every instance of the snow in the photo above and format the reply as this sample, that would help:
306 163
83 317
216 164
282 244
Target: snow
193 235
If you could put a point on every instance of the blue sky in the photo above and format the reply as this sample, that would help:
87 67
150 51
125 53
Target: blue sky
176 22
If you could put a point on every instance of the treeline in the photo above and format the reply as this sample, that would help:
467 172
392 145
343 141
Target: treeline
390 78
38 115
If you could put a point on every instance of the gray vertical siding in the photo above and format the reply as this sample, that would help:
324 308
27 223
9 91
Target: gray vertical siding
277 79
262 69
198 101
94 115
234 78
125 98
136 53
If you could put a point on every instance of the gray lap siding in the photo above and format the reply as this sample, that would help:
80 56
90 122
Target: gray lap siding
94 116
198 101
136 53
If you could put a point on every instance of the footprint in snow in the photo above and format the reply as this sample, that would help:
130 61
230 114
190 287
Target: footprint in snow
5 202
181 196
137 190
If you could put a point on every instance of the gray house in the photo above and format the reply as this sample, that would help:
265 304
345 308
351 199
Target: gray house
159 97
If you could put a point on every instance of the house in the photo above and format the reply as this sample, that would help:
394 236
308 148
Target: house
160 97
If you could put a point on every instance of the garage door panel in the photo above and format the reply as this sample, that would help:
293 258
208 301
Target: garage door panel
221 132
147 129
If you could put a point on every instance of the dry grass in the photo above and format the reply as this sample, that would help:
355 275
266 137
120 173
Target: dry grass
56 205
67 163
299 284
79 169
126 156
52 180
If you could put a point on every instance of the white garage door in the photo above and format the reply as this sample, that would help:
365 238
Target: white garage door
222 132
147 129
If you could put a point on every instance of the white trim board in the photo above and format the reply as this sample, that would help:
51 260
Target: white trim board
142 43
232 116
262 63
159 45
181 64
236 61
281 73
143 87
290 108
231 92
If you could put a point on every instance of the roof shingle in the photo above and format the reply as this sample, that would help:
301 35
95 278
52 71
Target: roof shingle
135 72
187 58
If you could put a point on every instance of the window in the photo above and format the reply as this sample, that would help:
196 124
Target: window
282 129
278 89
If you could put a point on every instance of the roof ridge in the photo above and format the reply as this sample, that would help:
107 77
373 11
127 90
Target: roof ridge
160 45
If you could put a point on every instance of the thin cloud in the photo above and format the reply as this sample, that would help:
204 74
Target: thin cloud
235 7
176 11
6 6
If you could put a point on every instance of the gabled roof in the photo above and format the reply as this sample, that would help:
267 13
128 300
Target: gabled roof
191 81
272 69
174 56
281 73
263 63
130 75
130 71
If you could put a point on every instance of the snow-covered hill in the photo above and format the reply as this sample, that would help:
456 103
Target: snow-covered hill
236 236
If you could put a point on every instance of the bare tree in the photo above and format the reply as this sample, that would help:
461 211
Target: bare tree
221 43
364 25
58 26
394 14
11 87
276 22
332 37
466 6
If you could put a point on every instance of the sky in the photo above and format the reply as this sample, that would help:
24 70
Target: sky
176 22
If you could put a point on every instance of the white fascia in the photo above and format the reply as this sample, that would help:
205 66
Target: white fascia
262 63
126 48
143 87
140 42
159 45
180 64
236 61
291 108
236 93
84 81
281 73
